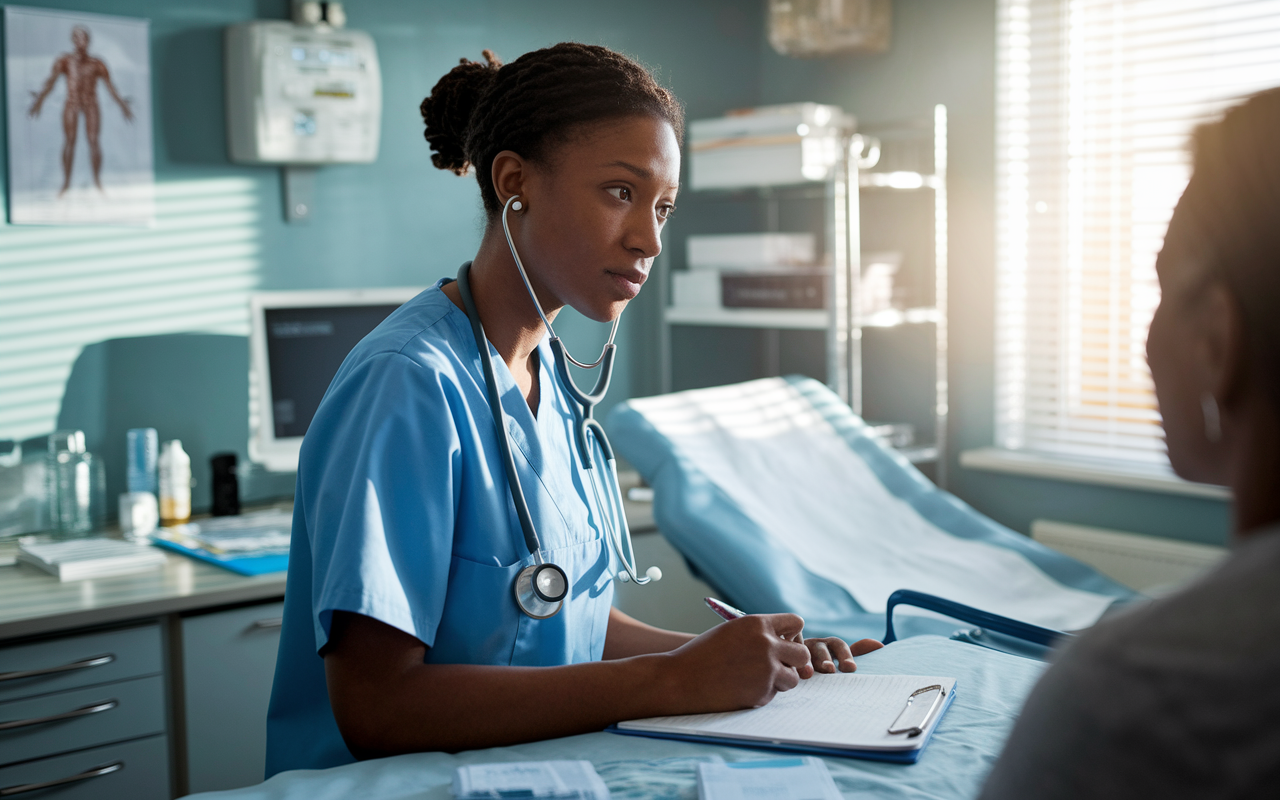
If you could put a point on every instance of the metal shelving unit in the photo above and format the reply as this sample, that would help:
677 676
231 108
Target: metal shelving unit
842 320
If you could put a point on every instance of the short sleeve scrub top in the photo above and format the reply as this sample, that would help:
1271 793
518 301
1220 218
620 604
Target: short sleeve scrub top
402 513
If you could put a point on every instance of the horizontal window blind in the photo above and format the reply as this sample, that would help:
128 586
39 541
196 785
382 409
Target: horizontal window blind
62 288
1095 102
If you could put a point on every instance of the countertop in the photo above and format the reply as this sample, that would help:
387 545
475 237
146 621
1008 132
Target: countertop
33 602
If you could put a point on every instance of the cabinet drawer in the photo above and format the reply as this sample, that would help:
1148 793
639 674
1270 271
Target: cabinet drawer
68 662
80 718
137 770
229 661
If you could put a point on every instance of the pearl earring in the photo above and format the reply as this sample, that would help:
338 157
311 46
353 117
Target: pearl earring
1212 417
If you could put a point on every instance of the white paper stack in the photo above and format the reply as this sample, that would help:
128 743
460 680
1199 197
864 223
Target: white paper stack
545 780
78 559
767 146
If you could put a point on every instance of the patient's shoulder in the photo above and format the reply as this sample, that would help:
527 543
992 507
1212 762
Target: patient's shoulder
1233 610
1171 699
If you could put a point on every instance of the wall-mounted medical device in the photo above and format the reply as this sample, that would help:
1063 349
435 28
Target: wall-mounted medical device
302 94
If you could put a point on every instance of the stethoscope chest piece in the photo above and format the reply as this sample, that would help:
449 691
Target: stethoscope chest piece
541 589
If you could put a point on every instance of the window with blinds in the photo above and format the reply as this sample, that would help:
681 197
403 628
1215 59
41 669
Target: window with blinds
1095 103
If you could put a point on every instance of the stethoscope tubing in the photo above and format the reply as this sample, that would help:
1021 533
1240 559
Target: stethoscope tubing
524 276
499 416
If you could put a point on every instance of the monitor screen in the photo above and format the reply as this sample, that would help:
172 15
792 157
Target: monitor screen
297 341
305 347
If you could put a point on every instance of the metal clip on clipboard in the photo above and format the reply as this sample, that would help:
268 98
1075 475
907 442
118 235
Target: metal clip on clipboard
915 717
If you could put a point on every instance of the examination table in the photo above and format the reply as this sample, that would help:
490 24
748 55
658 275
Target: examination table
990 690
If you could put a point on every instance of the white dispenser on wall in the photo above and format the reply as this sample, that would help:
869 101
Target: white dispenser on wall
302 94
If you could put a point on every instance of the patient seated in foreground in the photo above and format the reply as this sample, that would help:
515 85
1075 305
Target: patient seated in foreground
1181 698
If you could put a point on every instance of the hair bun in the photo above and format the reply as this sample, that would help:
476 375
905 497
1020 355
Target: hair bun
447 111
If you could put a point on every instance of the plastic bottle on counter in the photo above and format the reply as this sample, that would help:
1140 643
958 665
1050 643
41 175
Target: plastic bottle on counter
175 484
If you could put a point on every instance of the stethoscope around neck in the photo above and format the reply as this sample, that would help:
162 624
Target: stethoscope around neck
540 588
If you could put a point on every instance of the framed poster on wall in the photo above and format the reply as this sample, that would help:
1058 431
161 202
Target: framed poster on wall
78 105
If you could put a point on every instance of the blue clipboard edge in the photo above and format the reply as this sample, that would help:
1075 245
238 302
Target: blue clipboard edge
247 565
896 756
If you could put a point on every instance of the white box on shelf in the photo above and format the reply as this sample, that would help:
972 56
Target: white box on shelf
879 273
751 251
695 289
767 146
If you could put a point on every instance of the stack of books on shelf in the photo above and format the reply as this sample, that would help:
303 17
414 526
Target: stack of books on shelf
755 270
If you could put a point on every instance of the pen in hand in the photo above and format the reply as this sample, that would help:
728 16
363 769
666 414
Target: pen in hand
723 610
727 613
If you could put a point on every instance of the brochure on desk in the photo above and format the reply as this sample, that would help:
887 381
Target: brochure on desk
843 715
249 544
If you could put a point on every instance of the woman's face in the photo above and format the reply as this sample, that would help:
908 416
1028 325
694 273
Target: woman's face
594 213
1180 351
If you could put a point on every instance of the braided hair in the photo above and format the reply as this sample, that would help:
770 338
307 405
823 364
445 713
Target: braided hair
479 109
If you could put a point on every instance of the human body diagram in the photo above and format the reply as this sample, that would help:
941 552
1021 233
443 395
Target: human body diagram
82 72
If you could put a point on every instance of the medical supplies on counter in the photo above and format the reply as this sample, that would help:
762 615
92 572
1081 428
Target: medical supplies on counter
175 483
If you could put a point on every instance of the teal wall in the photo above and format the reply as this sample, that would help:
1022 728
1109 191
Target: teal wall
396 222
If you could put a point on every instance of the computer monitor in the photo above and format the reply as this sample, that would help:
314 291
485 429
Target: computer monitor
297 341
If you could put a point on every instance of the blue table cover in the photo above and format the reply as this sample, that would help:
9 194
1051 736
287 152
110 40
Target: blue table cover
991 687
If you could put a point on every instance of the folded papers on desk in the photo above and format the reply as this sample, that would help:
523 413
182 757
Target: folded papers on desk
545 780
78 559
877 717
249 544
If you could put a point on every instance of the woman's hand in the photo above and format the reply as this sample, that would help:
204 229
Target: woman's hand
737 664
826 653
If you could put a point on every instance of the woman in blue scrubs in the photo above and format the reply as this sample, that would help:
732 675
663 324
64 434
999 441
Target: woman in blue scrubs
401 629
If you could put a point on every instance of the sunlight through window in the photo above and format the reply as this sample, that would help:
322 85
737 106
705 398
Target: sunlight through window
1095 103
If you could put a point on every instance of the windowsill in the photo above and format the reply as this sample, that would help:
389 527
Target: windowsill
994 459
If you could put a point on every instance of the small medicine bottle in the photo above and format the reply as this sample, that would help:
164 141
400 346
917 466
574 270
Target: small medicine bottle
175 484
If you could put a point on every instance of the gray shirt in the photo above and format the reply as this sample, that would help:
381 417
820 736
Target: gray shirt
1179 698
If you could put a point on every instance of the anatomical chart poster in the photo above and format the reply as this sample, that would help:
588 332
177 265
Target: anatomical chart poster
78 104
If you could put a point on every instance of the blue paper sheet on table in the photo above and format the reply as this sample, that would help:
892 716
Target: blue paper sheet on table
249 544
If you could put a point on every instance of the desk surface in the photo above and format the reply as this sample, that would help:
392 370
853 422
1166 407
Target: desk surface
33 602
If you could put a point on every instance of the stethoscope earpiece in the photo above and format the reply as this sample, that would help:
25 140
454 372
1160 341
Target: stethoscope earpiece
517 206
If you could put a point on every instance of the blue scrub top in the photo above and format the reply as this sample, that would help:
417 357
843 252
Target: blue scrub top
402 513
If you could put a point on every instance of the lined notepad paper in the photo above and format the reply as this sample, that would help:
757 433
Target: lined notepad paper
842 711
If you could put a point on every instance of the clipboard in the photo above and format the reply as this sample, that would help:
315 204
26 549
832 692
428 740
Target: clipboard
904 725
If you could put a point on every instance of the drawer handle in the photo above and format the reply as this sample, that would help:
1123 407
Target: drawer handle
95 772
84 663
83 711
268 623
